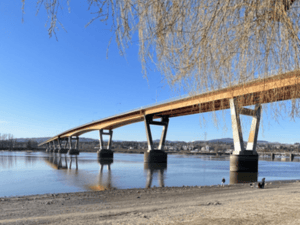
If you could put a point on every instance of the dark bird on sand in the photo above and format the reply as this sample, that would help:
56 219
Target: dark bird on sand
261 184
223 181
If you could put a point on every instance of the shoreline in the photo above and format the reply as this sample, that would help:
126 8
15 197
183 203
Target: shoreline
278 203
270 182
141 151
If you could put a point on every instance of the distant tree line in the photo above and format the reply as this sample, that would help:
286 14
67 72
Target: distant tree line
8 142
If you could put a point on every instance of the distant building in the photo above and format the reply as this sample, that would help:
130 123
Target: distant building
205 148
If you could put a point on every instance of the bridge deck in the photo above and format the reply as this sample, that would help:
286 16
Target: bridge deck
271 89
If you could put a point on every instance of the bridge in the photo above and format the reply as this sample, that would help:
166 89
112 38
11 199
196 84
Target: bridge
271 89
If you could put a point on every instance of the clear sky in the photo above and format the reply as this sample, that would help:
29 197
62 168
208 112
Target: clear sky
49 86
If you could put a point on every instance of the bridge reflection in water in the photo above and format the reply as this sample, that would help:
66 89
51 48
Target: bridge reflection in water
61 161
153 168
104 183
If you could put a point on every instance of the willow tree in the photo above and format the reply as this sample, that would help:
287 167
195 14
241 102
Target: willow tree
201 45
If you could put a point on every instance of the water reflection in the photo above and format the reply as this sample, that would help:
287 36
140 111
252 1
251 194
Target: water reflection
72 158
105 162
104 182
8 161
63 162
242 177
125 171
30 159
153 168
60 161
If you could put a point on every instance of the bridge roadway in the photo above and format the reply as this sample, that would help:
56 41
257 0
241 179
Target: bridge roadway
271 89
276 88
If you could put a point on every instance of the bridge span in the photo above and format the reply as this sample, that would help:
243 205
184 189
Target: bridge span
276 88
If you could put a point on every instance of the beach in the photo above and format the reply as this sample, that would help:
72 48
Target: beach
277 203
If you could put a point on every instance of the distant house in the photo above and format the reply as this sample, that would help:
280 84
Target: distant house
205 148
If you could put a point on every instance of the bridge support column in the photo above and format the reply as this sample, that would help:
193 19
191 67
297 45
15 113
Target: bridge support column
291 157
73 151
53 147
63 147
50 147
244 160
272 156
66 143
242 177
47 147
105 152
57 145
156 155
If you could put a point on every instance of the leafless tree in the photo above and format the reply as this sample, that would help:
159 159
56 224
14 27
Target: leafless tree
202 45
6 141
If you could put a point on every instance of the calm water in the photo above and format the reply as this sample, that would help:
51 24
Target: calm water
24 173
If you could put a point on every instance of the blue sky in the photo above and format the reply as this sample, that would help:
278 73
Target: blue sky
49 86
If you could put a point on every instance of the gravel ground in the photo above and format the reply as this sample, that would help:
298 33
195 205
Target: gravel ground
277 203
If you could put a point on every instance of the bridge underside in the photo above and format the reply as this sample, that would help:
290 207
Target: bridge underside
277 88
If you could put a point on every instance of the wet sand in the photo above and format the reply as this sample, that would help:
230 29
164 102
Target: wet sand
278 203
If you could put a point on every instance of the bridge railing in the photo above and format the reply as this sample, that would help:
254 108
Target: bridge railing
182 97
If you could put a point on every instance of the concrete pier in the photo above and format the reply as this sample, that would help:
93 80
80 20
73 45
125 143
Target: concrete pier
105 161
63 151
242 177
105 152
272 156
244 160
244 163
156 155
73 151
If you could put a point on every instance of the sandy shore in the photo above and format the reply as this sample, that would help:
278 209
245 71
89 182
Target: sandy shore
278 203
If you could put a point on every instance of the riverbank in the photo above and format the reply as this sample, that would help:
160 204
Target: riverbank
141 151
131 151
278 203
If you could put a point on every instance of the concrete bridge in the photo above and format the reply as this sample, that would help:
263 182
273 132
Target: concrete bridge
276 88
272 155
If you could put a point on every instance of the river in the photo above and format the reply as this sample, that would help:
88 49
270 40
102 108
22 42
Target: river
30 173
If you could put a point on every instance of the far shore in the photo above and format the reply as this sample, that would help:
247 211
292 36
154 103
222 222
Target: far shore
277 203
141 151
130 151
